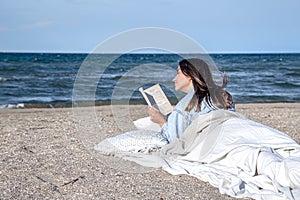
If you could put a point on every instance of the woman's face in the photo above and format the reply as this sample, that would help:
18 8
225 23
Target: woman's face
182 82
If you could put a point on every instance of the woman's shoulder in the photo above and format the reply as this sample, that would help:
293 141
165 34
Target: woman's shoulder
208 106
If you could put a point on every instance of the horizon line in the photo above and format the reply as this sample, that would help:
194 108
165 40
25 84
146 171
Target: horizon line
83 52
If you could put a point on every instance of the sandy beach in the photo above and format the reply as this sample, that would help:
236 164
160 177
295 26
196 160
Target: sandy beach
42 156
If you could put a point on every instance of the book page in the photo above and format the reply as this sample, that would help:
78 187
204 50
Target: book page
157 98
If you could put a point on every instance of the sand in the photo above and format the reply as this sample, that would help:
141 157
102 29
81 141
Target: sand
42 156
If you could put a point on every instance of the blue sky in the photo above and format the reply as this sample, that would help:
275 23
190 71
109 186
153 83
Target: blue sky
218 25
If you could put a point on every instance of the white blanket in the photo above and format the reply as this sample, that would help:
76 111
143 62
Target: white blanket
223 147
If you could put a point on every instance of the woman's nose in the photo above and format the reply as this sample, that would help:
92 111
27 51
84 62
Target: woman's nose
174 79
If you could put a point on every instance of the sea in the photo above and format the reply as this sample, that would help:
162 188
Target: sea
52 79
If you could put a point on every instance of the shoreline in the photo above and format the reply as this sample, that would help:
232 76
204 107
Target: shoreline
43 156
134 102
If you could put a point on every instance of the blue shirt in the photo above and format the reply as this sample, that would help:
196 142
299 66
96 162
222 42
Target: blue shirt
180 119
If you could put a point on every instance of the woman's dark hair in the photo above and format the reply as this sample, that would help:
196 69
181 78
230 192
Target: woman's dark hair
204 86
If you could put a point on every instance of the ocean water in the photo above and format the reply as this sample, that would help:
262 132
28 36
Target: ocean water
47 79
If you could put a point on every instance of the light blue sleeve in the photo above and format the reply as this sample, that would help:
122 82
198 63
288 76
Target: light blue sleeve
178 120
175 126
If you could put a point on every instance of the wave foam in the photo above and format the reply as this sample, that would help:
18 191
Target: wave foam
10 106
3 79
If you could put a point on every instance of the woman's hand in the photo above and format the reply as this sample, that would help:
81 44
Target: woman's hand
156 116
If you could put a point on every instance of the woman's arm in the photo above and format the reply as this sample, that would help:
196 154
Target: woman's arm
171 128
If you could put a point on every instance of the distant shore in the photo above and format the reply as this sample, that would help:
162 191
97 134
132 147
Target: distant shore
42 156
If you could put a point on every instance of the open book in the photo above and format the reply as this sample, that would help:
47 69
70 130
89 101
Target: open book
155 97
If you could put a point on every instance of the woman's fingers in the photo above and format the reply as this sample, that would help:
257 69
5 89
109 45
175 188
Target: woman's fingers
154 113
156 116
152 109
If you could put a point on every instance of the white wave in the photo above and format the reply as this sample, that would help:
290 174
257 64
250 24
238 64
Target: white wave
3 79
10 106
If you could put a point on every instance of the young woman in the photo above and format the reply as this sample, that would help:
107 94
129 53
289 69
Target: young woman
193 77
